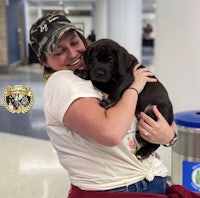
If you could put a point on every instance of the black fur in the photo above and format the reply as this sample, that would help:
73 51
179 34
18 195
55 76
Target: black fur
110 67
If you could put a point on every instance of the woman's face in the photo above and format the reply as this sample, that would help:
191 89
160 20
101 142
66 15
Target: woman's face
69 53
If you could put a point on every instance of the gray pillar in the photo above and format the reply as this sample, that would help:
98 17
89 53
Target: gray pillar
125 24
121 20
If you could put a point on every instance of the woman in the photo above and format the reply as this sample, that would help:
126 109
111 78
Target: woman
96 146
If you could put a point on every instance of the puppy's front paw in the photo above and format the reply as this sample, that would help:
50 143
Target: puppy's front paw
104 103
107 103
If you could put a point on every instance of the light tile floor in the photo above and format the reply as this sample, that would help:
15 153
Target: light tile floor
29 167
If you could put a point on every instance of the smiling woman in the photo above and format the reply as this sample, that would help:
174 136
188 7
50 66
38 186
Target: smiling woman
58 44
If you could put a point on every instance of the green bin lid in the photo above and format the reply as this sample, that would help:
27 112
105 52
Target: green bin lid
188 118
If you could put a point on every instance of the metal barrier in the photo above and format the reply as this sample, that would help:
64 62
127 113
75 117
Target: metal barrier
186 152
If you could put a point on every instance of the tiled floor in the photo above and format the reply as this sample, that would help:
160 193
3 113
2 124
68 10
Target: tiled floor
29 167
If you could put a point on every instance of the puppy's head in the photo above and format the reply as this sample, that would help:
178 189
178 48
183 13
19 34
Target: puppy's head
106 59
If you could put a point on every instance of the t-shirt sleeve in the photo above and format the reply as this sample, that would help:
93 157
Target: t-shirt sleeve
62 89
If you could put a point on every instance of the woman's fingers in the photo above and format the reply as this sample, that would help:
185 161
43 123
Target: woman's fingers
136 67
157 113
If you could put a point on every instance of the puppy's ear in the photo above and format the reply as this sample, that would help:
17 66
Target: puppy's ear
87 55
125 60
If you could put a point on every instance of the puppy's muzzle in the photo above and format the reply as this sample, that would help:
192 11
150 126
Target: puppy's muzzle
100 75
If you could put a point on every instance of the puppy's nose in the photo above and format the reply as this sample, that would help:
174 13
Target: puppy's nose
100 72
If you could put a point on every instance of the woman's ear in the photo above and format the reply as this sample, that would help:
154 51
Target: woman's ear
40 60
43 61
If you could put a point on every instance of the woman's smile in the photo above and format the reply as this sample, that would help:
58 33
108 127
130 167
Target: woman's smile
76 63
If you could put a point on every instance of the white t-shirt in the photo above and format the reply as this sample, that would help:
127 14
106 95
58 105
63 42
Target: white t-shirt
92 166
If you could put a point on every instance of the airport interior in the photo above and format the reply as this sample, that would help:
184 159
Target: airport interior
164 35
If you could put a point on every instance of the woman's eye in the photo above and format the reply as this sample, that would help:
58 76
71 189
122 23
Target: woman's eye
74 42
58 52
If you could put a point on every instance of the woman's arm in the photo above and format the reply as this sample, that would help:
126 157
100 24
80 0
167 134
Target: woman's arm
107 127
159 132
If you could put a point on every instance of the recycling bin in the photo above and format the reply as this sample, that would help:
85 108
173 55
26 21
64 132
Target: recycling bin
186 152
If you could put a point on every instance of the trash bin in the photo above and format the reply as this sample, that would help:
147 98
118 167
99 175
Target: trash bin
186 152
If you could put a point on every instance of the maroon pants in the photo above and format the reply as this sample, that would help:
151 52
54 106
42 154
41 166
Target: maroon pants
174 191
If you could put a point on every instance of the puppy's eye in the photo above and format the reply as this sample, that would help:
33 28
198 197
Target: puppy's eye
95 59
110 60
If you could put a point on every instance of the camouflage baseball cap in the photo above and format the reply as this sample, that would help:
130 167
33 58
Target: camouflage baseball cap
45 33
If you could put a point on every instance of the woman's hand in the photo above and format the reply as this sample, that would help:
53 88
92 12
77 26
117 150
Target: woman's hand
141 77
158 132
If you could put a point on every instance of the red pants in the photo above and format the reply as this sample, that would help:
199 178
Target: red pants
174 191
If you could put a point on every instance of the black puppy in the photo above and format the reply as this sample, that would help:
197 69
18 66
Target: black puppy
110 67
